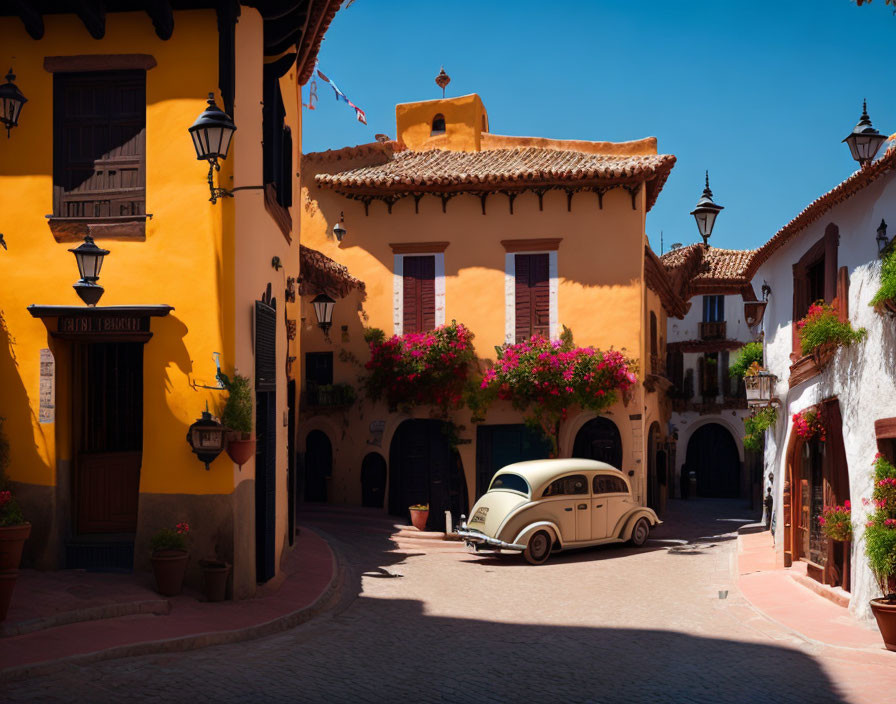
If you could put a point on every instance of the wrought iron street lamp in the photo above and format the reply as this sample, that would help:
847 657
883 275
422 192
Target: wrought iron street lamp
11 102
760 388
705 213
206 438
864 140
882 240
211 135
90 261
339 228
323 309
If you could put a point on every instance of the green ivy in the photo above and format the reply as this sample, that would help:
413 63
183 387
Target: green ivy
887 290
749 353
756 425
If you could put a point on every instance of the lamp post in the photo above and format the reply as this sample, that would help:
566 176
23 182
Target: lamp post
864 140
90 261
705 213
211 135
11 102
323 309
882 240
339 228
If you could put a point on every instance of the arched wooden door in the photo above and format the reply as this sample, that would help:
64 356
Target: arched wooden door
373 480
712 454
318 465
425 469
599 439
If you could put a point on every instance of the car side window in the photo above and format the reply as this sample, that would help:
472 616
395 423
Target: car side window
604 484
565 486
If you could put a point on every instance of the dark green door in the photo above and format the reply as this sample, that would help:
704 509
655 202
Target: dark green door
500 445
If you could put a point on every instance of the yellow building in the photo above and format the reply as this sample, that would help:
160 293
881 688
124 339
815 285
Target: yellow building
97 401
510 236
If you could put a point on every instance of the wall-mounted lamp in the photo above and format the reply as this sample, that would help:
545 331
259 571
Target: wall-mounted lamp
339 228
11 102
206 438
90 261
864 140
766 291
276 263
211 135
323 309
882 241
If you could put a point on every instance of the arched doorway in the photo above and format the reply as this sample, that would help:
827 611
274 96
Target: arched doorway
599 439
373 480
425 469
318 465
712 454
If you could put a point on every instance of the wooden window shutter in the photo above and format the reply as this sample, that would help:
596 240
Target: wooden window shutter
419 298
265 347
284 186
842 300
533 297
800 305
99 151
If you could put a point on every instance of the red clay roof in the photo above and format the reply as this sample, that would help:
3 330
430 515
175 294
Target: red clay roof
320 274
818 207
321 14
498 169
698 269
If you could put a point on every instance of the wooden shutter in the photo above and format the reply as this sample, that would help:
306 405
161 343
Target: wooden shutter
533 298
800 305
419 294
99 148
265 347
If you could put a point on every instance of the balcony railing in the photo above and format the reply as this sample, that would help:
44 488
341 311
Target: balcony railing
712 331
328 396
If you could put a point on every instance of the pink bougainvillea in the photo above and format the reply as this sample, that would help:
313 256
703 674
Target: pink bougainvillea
836 521
545 378
807 425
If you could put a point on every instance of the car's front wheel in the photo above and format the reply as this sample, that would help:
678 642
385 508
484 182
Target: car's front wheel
538 549
640 532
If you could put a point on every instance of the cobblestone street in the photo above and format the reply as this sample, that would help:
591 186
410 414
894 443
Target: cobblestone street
604 625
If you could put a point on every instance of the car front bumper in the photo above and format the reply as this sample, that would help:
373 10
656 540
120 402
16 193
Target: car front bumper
480 541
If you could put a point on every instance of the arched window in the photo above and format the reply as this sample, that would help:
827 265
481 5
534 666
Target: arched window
438 124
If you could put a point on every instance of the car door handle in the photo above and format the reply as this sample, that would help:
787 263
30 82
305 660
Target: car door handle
581 506
567 509
598 506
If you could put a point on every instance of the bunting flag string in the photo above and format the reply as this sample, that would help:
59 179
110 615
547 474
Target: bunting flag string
359 113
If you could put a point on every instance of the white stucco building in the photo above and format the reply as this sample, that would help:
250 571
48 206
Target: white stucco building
708 405
829 251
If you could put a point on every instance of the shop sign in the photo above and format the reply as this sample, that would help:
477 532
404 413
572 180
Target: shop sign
102 324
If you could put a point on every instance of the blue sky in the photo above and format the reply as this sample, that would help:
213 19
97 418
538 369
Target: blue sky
760 93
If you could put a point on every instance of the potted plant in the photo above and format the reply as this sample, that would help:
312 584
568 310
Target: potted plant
237 418
821 332
836 522
169 558
884 301
419 515
808 424
880 547
214 579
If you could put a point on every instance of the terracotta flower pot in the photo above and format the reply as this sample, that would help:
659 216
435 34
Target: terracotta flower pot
241 447
885 613
169 567
824 353
419 518
887 307
12 538
7 585
214 579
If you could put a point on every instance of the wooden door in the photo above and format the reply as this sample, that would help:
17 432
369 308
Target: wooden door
109 418
599 440
266 438
712 454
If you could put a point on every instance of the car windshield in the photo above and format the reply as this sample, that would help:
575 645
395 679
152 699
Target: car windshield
511 482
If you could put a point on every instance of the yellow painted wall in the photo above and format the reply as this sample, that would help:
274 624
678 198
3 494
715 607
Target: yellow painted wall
465 121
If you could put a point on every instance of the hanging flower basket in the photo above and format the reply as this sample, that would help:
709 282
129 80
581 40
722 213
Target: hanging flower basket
240 447
807 425
836 522
821 332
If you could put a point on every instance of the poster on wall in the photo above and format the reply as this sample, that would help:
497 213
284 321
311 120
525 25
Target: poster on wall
47 413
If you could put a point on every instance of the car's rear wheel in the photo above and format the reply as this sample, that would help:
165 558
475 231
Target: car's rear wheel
538 549
640 532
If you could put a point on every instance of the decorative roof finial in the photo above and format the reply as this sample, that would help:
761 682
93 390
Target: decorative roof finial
706 192
442 80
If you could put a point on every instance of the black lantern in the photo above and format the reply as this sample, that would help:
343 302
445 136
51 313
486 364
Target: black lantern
882 240
90 261
339 228
705 213
11 102
323 309
864 140
211 135
206 438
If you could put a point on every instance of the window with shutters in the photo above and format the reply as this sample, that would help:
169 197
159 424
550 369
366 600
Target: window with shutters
419 293
709 374
99 146
533 299
713 309
276 153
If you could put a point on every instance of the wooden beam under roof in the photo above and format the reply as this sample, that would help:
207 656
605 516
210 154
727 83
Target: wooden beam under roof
31 18
162 16
93 14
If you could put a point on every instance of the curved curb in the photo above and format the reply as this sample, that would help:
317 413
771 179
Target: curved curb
157 607
325 599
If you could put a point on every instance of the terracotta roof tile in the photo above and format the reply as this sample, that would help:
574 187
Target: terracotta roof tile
496 169
320 274
712 264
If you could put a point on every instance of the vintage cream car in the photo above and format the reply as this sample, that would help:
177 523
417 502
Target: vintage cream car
545 505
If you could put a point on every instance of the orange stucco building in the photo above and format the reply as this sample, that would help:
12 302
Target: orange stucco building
510 236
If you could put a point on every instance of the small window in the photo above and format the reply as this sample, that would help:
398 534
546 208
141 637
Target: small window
319 368
438 124
713 309
510 482
605 484
484 126
565 486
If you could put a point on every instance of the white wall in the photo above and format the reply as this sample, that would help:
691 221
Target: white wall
863 376
688 329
